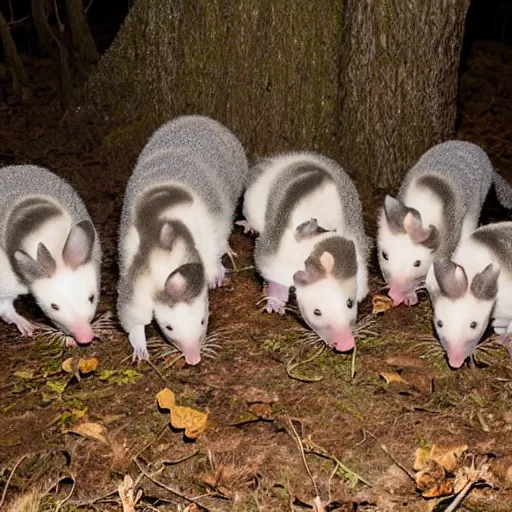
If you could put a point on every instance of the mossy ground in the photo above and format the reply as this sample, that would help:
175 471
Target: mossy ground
242 462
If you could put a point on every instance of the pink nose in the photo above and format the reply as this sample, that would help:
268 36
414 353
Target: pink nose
456 359
343 341
83 335
192 357
402 293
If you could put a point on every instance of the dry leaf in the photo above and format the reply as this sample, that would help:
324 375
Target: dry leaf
381 303
88 365
261 410
72 365
193 421
444 488
253 395
90 430
448 457
390 377
125 490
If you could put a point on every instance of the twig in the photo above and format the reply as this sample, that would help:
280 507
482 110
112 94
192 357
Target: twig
179 461
462 494
10 478
59 22
156 371
167 488
384 448
12 22
290 367
303 454
353 365
147 445
67 497
88 6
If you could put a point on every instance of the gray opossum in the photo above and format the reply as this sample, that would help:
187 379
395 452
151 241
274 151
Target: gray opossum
472 287
309 218
438 204
49 248
177 215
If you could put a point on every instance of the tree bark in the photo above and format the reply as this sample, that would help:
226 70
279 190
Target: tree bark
40 17
267 69
371 83
19 77
398 83
81 37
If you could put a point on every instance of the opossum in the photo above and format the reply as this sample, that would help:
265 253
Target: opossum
438 205
50 249
475 285
311 236
177 215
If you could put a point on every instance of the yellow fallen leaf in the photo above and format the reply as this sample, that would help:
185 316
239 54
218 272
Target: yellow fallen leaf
88 365
69 365
381 303
193 421
166 399
91 430
390 377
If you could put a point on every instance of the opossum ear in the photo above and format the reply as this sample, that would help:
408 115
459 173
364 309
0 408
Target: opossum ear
308 229
395 212
167 236
451 278
420 235
78 247
485 284
186 282
313 272
32 269
327 261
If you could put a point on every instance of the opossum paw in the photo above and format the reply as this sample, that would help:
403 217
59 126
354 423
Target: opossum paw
247 229
23 325
218 279
140 354
70 342
275 305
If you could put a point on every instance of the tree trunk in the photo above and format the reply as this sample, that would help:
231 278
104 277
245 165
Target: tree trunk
83 42
40 17
19 77
398 83
371 87
267 69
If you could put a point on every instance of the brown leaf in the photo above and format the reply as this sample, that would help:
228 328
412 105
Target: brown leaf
261 410
90 430
448 457
406 362
88 365
70 365
193 421
390 377
442 489
254 395
381 303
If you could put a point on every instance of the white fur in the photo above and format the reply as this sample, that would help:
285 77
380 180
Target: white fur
456 335
189 321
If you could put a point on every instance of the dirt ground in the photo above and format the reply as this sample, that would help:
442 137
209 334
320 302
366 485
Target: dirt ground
366 432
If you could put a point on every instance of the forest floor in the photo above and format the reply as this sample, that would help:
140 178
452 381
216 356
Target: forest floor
370 431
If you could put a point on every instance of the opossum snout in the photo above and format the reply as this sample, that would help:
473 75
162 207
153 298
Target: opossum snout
83 334
192 355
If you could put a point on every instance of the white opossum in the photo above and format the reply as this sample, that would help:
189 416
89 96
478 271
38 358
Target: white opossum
438 204
472 287
309 218
49 248
177 215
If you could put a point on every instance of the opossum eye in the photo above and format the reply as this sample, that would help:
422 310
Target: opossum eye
202 321
439 324
168 327
473 325
55 307
350 303
91 298
417 263
385 255
317 312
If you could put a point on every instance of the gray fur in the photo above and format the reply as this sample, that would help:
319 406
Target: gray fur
26 195
485 284
284 197
449 285
497 238
460 174
395 212
195 152
309 229
344 253
31 270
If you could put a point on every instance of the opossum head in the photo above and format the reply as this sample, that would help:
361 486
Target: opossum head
326 291
461 307
66 286
181 310
406 249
